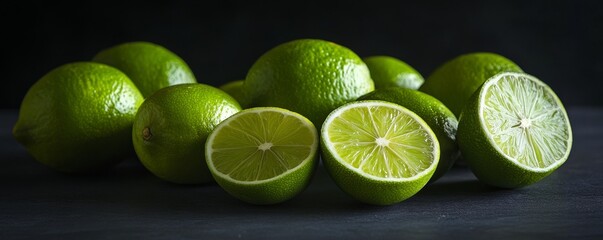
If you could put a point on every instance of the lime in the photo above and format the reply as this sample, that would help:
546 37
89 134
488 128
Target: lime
514 131
389 71
441 120
150 66
78 117
263 155
454 82
378 152
172 125
308 76
235 89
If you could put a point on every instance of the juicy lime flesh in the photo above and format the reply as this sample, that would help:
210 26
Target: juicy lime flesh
262 145
525 121
382 142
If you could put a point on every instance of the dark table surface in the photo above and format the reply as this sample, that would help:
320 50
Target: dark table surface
130 203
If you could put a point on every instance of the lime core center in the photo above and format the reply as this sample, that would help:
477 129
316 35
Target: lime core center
525 123
382 142
265 146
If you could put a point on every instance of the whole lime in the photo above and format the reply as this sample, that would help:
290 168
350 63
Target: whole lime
150 66
171 128
78 117
456 80
387 71
235 89
308 76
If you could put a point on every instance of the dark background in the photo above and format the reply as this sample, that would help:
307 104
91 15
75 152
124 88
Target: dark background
560 42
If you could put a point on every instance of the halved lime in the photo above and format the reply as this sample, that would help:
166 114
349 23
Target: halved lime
439 118
514 131
378 152
263 155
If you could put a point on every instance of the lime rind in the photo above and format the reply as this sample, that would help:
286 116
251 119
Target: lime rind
397 113
253 145
525 122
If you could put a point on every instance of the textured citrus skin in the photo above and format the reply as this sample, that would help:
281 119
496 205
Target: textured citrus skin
150 66
389 71
456 80
488 164
369 190
78 117
308 76
275 191
172 125
235 89
441 120
270 191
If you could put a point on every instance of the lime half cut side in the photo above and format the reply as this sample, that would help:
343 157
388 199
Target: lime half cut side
379 152
515 131
263 155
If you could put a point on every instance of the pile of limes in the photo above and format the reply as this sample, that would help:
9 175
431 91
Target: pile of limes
383 131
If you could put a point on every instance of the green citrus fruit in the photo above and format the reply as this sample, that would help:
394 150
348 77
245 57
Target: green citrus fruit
78 117
514 131
389 71
263 155
378 152
235 89
172 125
439 118
454 82
150 66
308 76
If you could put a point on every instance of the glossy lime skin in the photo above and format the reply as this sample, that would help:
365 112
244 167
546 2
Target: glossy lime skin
150 66
308 76
171 128
235 89
456 80
387 71
78 117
